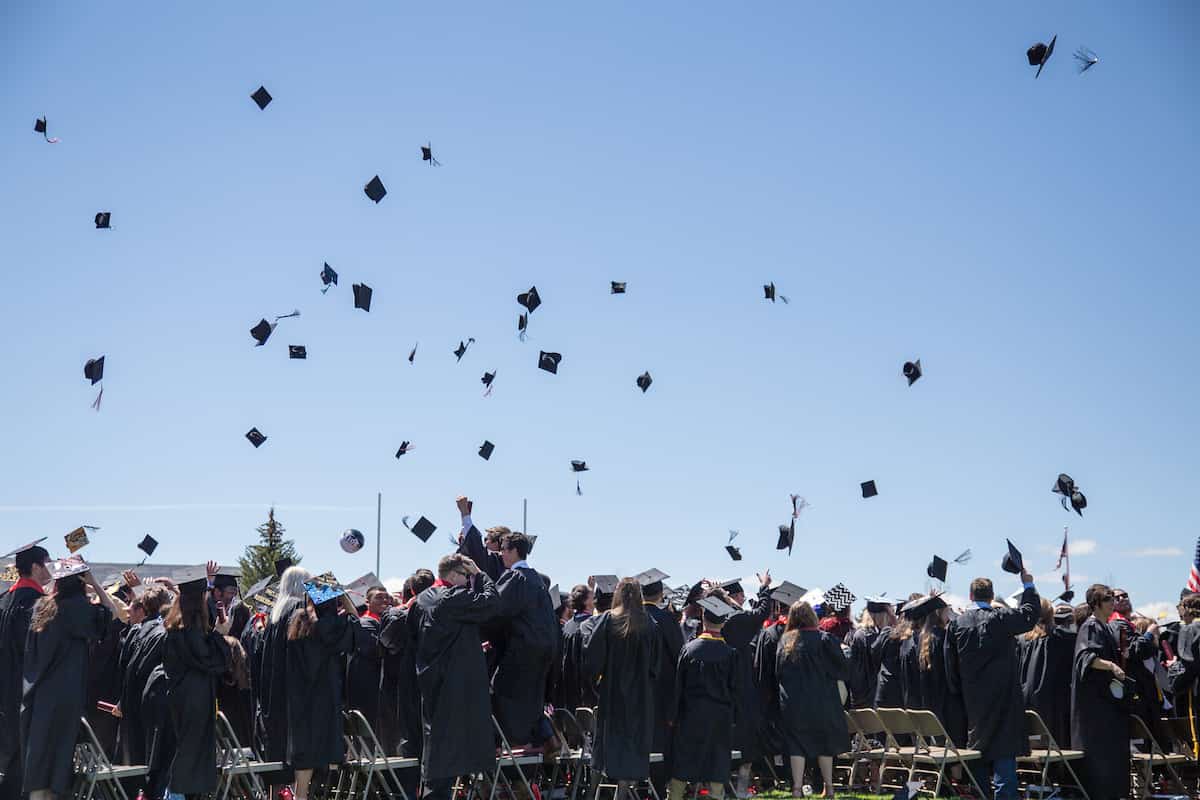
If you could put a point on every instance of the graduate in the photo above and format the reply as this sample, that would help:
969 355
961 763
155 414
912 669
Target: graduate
194 658
885 651
740 631
910 672
364 667
61 628
624 648
602 593
1099 721
16 609
273 669
317 640
571 671
670 643
452 674
1184 669
1047 652
878 616
766 651
935 690
707 687
809 665
141 652
401 697
484 551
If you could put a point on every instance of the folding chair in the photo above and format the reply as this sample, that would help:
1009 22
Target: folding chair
1044 750
1142 763
571 758
508 757
236 766
94 773
868 728
928 730
896 723
367 765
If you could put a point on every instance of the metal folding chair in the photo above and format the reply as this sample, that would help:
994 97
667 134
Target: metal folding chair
94 773
367 766
868 742
928 730
236 766
1045 750
1142 762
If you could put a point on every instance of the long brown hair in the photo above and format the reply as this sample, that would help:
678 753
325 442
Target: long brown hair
628 614
1045 622
303 620
933 622
190 610
46 608
800 615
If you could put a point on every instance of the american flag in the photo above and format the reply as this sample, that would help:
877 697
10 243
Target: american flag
1193 581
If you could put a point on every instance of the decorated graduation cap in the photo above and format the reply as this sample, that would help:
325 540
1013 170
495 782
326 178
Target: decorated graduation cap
405 446
320 592
375 189
461 350
549 361
255 437
912 371
643 381
716 610
422 530
486 449
1039 53
77 539
427 155
39 126
1072 498
298 351
487 380
66 567
923 606
651 580
839 598
1012 560
328 277
352 540
103 219
787 593
605 584
868 489
362 296
618 287
261 97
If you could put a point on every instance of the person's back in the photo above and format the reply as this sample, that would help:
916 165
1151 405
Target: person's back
16 609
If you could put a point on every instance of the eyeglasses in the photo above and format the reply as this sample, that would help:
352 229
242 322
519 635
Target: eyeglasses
1121 596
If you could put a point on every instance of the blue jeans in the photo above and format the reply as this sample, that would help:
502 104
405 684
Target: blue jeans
1003 778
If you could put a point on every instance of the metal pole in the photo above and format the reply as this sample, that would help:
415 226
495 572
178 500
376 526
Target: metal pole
378 528
525 516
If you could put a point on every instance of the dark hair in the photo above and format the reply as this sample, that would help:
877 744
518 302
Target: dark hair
516 541
1097 593
981 590
422 579
1045 622
800 615
303 620
580 594
237 670
628 613
27 559
1190 607
372 590
46 608
190 610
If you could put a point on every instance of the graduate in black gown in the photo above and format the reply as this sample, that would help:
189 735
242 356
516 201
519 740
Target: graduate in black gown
1047 653
16 608
318 639
571 672
62 626
452 674
740 632
401 701
670 643
483 549
104 682
194 658
885 651
766 650
879 615
1099 721
624 648
141 652
935 689
809 665
273 669
364 667
602 596
707 688
1183 670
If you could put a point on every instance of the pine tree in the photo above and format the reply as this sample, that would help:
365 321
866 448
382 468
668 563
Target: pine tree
259 559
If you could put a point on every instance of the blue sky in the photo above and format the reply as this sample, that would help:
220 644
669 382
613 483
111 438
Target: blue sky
896 171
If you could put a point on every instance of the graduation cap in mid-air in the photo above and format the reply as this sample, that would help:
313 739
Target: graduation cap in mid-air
362 296
412 354
461 350
938 565
104 219
578 466
618 287
405 446
422 530
256 437
787 537
485 450
912 371
297 351
549 361
643 381
39 126
148 545
769 293
375 189
734 552
261 97
427 155
93 370
531 299
261 332
868 489
1066 596
522 325
1040 53
328 277
1072 498
1012 560
78 539
487 380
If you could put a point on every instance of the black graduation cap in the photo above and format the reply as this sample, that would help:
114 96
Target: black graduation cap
104 219
486 380
24 547
192 580
787 537
297 351
531 300
733 586
412 354
923 606
256 437
877 603
868 489
1040 53
912 371
1072 498
261 332
522 324
579 466
605 584
937 569
1012 560
427 155
148 545
1066 596
362 296
422 530
282 565
769 292
405 446
262 97
734 552
328 277
618 287
485 450
716 610
787 593
549 361
39 126
651 577
461 350
643 381
93 370
375 189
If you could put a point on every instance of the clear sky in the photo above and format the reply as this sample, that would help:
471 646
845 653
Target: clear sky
896 170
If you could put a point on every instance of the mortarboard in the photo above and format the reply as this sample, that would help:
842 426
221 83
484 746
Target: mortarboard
643 381
769 292
618 287
733 586
405 446
427 155
461 350
78 539
923 606
605 584
66 567
321 592
148 545
282 565
104 219
192 579
716 610
1040 53
261 97
787 593
522 324
787 537
25 547
877 604
362 296
412 354
912 371
256 437
868 489
93 370
650 577
1072 498
261 332
1012 560
1066 596
422 530
297 351
549 362
486 380
485 450
839 598
375 189
578 466
531 299
734 552
39 126
937 569
328 277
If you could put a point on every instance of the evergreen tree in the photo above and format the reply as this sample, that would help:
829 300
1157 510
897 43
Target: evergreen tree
259 559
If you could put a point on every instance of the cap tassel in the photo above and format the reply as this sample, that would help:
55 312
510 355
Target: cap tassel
96 402
578 489
294 313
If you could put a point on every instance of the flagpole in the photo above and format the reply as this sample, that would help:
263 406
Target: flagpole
378 529
525 516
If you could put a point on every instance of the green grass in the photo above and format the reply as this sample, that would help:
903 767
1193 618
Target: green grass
779 795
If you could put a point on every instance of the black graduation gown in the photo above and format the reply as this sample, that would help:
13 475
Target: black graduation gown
16 606
625 718
739 632
1099 723
889 686
160 733
707 685
273 694
814 723
104 684
981 665
936 693
1182 676
525 639
575 687
670 643
1149 702
193 661
1046 679
490 562
400 704
452 677
864 667
55 691
141 653
910 673
767 682
252 643
364 671
314 689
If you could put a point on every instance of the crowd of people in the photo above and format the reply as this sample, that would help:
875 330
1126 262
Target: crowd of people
694 675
